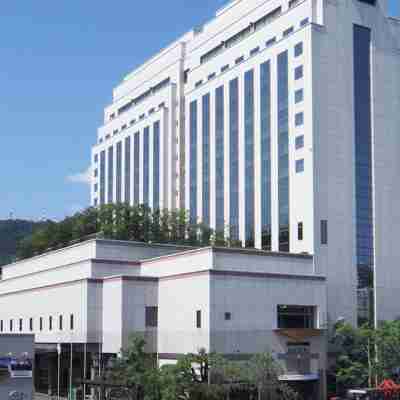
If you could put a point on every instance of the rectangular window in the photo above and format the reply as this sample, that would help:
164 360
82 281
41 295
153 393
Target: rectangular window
239 60
146 165
136 168
296 317
20 324
95 188
60 323
193 160
211 76
119 173
228 316
71 322
298 96
1 326
11 325
300 231
293 3
198 319
299 119
304 22
156 165
370 2
300 166
206 158
299 142
110 176
102 177
254 51
151 317
96 173
198 83
270 42
288 31
31 324
96 158
219 158
225 67
128 169
40 323
298 72
298 49
50 323
324 231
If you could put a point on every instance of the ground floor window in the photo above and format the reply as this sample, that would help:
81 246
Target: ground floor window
292 317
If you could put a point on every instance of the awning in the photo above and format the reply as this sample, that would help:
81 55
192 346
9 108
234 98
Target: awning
299 378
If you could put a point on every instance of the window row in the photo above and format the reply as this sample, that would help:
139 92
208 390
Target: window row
32 325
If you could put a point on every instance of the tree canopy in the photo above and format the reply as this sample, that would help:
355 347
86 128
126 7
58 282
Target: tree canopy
122 222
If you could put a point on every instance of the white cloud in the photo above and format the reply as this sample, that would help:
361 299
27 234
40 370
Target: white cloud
81 177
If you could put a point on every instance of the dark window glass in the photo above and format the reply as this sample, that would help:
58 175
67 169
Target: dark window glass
304 22
225 67
136 169
110 176
151 317
283 145
299 165
298 72
265 114
288 31
1 326
102 177
50 323
20 324
300 231
156 165
95 187
298 96
211 76
363 156
96 158
11 325
270 42
296 317
206 159
234 158
370 2
119 172
60 323
324 231
41 323
254 51
249 155
219 158
198 319
228 316
193 162
128 169
146 174
31 324
239 60
299 142
298 49
299 119
198 83
71 322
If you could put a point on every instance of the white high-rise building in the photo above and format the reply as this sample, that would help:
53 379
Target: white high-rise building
280 120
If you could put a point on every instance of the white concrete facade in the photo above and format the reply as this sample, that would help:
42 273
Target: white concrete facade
102 297
311 166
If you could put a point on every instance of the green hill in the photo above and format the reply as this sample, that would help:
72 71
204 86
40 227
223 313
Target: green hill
11 232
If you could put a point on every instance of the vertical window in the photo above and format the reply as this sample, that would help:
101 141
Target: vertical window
11 325
299 165
31 324
283 145
96 158
300 231
151 317
219 155
298 49
71 322
20 324
304 22
198 319
249 155
1 326
288 31
110 174
234 158
299 142
146 166
102 177
60 323
299 119
95 188
228 316
41 323
119 172
324 231
298 96
50 323
156 165
128 169
193 162
206 159
298 72
136 168
265 113
96 173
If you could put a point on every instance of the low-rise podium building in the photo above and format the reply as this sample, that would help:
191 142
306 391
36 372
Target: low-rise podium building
91 296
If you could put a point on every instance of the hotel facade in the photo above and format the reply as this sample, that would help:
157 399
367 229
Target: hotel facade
277 123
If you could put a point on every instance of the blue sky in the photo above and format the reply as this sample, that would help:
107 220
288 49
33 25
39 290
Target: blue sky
59 61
